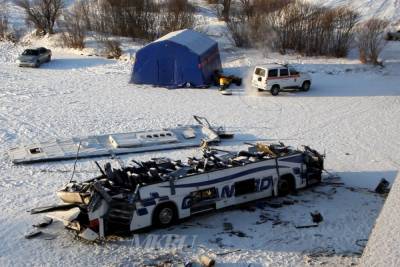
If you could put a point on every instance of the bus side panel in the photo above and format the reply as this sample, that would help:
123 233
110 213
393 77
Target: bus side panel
294 165
264 173
264 188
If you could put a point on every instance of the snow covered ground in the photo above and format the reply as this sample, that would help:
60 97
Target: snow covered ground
351 112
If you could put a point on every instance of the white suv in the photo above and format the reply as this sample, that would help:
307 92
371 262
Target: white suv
275 78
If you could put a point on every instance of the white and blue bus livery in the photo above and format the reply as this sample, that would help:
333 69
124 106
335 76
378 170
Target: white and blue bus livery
161 191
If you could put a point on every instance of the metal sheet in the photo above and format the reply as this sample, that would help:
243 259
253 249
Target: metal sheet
118 143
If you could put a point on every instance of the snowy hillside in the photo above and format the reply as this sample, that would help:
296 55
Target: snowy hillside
382 9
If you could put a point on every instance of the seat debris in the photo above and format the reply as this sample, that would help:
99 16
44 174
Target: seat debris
44 223
33 234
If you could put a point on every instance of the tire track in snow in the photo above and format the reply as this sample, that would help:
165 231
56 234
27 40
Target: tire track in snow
19 126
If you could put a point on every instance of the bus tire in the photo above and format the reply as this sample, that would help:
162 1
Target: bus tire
165 214
286 185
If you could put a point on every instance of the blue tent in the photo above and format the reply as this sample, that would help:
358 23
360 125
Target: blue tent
181 58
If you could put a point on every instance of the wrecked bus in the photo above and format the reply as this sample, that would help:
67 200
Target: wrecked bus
161 191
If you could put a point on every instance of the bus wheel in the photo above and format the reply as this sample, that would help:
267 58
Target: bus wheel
165 215
285 186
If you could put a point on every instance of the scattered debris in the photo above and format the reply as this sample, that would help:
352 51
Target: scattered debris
44 223
33 234
306 226
206 261
228 226
167 260
228 252
238 233
333 183
316 217
382 187
52 208
89 234
67 217
263 219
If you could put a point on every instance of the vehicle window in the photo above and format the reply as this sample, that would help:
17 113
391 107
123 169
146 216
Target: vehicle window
35 150
30 52
245 187
273 73
260 72
284 72
293 72
205 194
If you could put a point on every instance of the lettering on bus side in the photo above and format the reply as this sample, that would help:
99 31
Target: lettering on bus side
266 183
187 202
228 191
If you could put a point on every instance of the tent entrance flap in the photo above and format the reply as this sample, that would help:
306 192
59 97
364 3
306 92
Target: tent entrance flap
166 69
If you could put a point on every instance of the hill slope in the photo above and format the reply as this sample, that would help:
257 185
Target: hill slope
383 9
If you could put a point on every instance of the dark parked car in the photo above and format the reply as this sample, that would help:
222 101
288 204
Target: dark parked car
395 36
34 57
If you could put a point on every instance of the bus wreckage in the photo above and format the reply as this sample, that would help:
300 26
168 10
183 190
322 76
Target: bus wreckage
181 136
161 191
